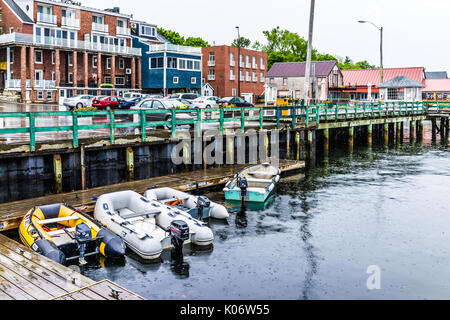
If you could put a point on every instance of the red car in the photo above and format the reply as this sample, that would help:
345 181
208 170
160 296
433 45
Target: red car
106 103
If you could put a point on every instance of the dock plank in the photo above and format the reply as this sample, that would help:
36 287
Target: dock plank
106 289
13 291
12 213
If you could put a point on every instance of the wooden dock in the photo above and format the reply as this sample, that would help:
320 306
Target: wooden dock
12 213
26 275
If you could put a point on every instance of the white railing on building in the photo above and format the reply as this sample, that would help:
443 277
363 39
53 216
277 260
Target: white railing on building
123 31
67 43
100 27
45 84
232 63
70 22
211 77
46 18
175 48
211 63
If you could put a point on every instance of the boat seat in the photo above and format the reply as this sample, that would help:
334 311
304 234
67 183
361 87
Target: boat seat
173 199
131 214
57 220
259 180
261 173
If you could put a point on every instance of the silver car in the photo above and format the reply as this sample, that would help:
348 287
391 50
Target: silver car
164 104
79 101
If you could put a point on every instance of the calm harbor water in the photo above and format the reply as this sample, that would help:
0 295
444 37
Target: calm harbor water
318 235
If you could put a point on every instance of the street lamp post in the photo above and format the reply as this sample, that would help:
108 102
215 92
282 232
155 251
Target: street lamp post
381 47
239 62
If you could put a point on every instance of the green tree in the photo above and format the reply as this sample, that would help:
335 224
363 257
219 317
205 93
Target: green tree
241 42
196 42
172 36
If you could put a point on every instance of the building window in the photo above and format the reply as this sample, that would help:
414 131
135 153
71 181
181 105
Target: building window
49 95
70 77
171 63
94 61
157 63
232 77
193 80
175 80
262 77
120 81
247 75
233 92
231 58
40 95
148 31
70 58
11 30
38 56
182 63
284 81
53 76
254 77
11 56
121 63
196 65
212 56
190 64
53 57
108 63
108 79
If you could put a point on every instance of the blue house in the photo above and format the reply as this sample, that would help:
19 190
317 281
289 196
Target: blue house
166 68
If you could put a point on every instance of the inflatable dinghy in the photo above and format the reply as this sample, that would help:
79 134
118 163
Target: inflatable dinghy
198 207
253 184
148 227
62 233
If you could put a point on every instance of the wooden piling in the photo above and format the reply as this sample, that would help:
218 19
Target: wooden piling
130 163
412 130
370 135
288 142
57 172
351 136
386 133
326 139
83 168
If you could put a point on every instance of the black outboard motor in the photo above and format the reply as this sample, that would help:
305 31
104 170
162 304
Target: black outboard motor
83 235
179 233
243 185
202 203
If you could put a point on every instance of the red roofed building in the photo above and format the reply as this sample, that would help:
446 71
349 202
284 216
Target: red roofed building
436 90
357 82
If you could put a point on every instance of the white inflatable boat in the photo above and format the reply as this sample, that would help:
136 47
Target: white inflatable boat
198 207
148 227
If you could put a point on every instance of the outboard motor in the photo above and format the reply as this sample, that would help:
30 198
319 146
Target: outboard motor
179 233
243 185
202 203
83 235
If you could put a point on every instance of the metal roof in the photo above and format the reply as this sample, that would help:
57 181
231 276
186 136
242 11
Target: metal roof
364 77
437 75
297 69
437 85
401 82
18 11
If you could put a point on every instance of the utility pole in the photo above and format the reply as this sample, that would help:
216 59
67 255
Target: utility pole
308 56
239 63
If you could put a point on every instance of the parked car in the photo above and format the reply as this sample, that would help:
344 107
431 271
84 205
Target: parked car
238 102
163 104
128 103
79 101
106 103
206 102
188 96
187 103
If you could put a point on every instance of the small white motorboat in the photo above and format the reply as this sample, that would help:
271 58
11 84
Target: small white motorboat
198 207
253 184
148 227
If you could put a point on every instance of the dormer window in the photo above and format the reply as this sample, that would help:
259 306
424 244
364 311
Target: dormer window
148 31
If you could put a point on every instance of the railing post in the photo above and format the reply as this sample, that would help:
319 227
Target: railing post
261 117
242 119
173 127
221 120
346 111
143 126
293 114
278 111
326 111
111 127
337 111
75 129
199 122
307 115
317 114
32 132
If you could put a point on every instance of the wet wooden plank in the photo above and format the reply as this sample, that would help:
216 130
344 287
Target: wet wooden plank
105 289
13 291
4 296
12 213
65 278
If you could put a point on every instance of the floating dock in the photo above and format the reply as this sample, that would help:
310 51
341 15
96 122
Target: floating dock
12 213
26 275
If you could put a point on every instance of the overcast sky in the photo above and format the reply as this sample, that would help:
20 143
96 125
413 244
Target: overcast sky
415 32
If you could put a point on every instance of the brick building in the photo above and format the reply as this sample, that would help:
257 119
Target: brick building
220 70
50 50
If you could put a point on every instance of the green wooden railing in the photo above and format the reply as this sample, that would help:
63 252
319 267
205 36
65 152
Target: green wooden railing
260 116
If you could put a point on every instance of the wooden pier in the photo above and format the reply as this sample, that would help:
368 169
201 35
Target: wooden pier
12 213
26 275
